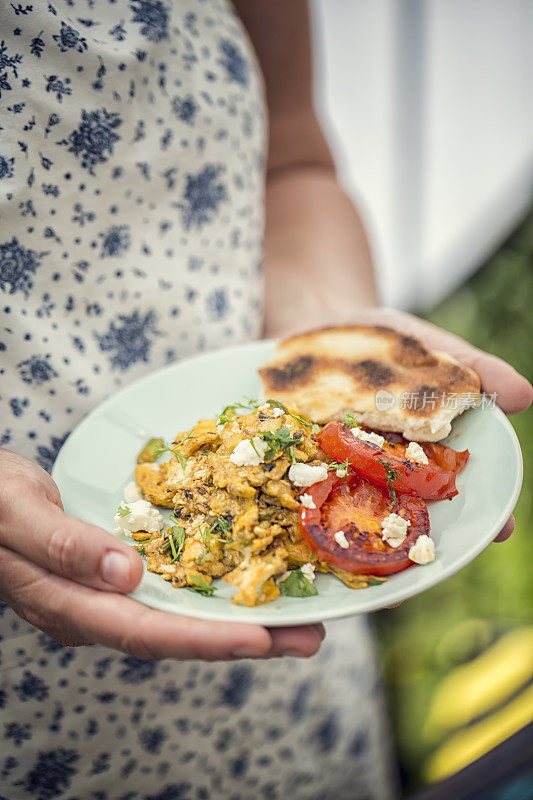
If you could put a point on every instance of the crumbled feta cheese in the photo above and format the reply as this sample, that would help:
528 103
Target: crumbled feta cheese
394 529
276 412
415 453
306 475
373 438
423 550
249 452
307 501
309 571
341 472
132 493
142 516
340 538
220 428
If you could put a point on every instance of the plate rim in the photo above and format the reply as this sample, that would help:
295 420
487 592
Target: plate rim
262 615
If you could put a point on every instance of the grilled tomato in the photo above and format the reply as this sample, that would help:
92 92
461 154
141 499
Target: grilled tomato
383 465
345 530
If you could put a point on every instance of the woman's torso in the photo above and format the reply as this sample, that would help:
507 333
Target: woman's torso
131 218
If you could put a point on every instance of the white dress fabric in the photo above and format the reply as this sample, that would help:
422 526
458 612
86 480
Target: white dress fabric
132 140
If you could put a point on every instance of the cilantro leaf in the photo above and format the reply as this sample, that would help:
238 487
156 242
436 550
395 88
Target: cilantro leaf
297 585
280 440
123 511
201 587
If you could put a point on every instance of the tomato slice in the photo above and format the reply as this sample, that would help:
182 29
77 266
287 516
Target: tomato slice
357 507
432 481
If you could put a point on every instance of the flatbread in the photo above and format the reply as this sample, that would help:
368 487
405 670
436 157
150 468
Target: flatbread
389 381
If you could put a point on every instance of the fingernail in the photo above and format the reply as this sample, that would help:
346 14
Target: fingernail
294 653
115 569
246 652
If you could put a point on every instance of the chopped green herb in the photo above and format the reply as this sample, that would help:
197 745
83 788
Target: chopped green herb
391 475
280 440
209 533
221 525
173 547
188 438
340 466
291 453
373 581
254 448
351 421
150 451
218 530
123 511
297 585
141 550
201 587
306 422
166 449
229 412
177 539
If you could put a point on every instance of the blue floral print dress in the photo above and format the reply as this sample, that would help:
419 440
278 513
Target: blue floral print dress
132 140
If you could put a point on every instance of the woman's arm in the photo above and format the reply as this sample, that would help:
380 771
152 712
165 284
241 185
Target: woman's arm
317 259
318 267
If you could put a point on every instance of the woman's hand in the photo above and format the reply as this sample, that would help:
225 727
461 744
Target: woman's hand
68 579
318 272
513 392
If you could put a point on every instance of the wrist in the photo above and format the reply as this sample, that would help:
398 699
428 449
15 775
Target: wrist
311 312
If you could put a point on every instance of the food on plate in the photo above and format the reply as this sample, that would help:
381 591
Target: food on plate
266 499
353 528
235 486
390 381
429 474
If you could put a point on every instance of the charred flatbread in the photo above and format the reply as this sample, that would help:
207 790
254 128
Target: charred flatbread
388 380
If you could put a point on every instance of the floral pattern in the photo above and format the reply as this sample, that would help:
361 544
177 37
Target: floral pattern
94 138
131 149
129 340
69 39
203 196
6 167
153 16
18 265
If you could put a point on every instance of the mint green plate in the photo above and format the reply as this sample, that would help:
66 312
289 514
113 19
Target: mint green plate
97 461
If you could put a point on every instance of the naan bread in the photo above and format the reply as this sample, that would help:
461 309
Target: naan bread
387 380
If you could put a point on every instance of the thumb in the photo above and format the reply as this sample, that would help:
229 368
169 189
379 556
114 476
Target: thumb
36 528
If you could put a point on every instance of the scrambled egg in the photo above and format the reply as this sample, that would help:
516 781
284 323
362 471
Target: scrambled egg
239 523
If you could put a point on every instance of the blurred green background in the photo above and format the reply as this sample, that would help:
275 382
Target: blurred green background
456 659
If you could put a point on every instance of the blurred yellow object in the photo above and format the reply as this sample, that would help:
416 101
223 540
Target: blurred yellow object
464 641
475 688
468 745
